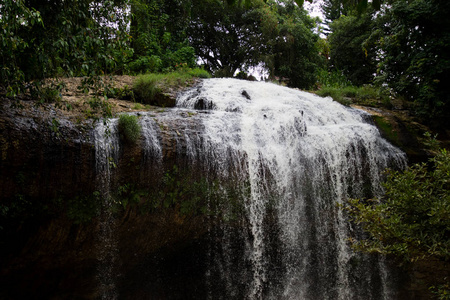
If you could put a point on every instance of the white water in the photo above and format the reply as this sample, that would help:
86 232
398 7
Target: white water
301 155
291 158
106 157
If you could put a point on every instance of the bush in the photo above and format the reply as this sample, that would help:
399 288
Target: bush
334 93
365 95
199 73
333 78
145 64
412 220
129 128
145 87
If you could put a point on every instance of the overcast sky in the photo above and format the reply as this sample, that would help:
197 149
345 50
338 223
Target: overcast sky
313 8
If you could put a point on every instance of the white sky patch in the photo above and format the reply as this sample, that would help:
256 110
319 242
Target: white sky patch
314 9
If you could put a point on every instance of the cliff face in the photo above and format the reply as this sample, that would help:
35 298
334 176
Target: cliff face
51 208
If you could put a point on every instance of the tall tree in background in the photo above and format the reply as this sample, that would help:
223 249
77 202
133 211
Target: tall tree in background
42 39
333 10
415 60
226 36
352 47
278 34
295 49
159 37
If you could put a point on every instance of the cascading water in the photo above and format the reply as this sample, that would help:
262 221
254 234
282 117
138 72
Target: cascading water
295 157
106 156
285 160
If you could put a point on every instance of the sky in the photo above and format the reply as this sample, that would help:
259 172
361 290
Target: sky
314 8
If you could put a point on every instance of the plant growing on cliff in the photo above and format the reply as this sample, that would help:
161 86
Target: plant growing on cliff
145 87
412 220
129 128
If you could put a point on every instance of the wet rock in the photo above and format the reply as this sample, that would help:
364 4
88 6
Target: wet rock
51 206
246 95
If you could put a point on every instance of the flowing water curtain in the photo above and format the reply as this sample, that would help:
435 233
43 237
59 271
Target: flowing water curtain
301 156
106 156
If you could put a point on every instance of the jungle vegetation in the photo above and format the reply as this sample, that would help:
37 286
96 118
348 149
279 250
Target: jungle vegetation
400 47
376 50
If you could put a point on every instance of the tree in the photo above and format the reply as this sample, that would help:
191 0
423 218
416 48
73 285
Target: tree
278 34
412 220
352 47
159 37
15 17
226 37
415 56
295 47
333 10
59 38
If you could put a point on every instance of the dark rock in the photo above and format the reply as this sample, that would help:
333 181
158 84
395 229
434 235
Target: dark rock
246 95
51 218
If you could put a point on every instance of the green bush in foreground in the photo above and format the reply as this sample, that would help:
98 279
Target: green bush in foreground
412 220
129 128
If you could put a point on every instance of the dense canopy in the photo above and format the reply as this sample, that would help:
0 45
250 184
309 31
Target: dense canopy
402 45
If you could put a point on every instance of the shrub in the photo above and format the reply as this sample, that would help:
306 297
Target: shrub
365 95
129 128
333 78
145 87
334 93
146 64
199 73
412 220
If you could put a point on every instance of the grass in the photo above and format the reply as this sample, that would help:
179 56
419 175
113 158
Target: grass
129 128
147 87
365 95
334 84
387 129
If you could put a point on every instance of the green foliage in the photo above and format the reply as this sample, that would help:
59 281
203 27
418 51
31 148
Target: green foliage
145 87
365 95
185 194
145 64
226 37
128 195
148 87
124 93
82 209
67 38
15 18
415 61
352 47
158 35
199 73
295 47
129 128
386 128
332 79
412 219
334 9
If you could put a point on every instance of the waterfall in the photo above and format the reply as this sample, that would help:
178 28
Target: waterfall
106 157
294 158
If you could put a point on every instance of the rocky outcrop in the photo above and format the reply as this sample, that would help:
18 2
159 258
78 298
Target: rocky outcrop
402 131
51 207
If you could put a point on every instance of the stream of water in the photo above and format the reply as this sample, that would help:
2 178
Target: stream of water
302 156
293 158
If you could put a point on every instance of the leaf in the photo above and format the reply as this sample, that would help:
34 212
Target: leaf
299 2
